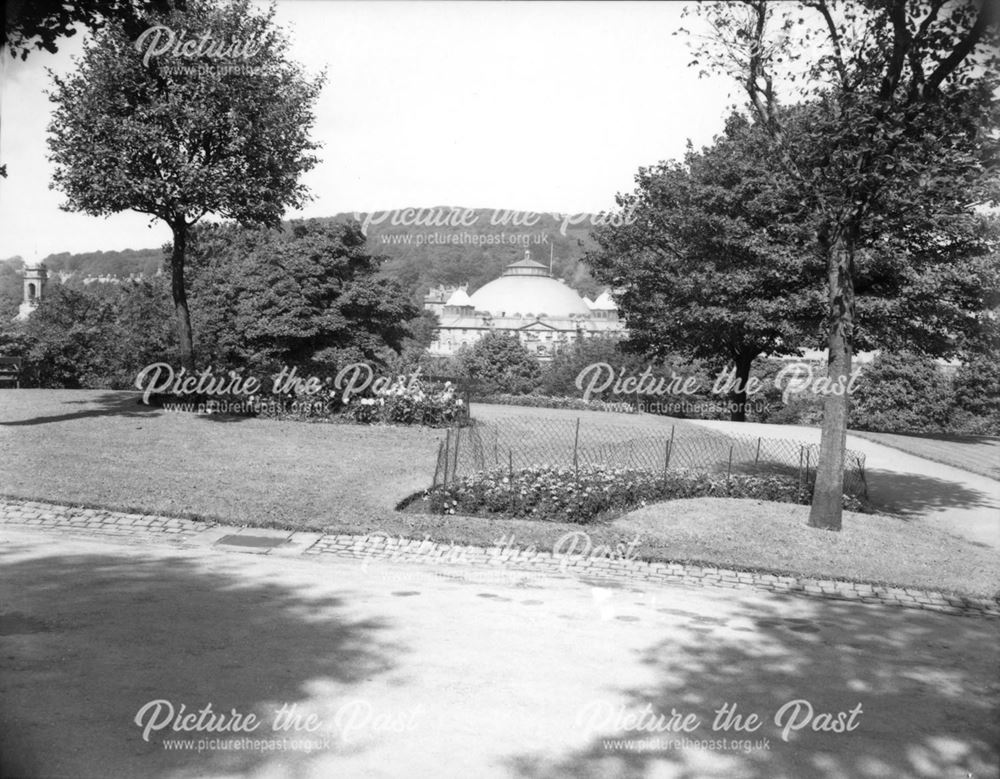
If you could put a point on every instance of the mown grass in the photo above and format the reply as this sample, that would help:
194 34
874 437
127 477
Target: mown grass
104 449
974 453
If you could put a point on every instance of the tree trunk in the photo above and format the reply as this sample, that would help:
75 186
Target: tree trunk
828 493
182 317
739 396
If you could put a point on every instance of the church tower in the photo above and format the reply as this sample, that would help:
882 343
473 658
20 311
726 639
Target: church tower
35 276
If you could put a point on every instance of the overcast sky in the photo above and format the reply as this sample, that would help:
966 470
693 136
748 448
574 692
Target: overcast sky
534 106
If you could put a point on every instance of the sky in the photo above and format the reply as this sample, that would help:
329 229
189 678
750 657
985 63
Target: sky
548 107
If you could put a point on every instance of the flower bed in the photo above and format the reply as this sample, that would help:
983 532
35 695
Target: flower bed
593 493
402 403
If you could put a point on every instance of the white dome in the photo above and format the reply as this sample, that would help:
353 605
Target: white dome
521 294
458 298
604 302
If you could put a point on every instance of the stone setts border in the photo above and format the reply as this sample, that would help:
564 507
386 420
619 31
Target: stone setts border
390 549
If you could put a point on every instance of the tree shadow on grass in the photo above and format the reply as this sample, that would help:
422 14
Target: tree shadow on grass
116 404
908 493
926 683
106 404
90 639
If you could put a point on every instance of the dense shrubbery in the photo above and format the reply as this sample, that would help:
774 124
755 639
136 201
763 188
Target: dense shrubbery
500 363
593 493
95 337
901 393
976 389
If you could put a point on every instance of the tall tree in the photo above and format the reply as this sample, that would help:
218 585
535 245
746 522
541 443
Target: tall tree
712 263
179 136
307 294
891 137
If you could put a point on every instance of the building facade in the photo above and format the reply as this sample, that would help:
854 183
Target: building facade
543 312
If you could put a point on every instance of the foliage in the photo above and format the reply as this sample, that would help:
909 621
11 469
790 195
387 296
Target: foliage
178 138
14 342
413 403
714 262
594 493
100 336
401 403
11 283
306 295
887 147
39 24
560 374
903 393
976 393
501 364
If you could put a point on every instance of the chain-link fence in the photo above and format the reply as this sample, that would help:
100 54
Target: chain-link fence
517 443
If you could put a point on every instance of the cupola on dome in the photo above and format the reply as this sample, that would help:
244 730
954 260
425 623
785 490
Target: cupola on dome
527 288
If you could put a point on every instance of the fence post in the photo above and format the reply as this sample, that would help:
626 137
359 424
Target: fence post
496 444
666 459
756 458
510 471
808 454
458 437
576 447
447 454
437 464
801 459
670 446
729 470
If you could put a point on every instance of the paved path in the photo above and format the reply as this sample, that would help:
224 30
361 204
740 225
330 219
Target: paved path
439 671
963 503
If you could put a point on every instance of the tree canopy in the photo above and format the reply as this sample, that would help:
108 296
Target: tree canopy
889 137
179 137
306 294
714 264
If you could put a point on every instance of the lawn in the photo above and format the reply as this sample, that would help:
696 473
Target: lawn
104 449
975 453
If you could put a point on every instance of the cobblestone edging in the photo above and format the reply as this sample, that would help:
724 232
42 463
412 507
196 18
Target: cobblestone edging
33 513
390 549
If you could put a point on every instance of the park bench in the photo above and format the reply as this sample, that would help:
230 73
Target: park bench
10 371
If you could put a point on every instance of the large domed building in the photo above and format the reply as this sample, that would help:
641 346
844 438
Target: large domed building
545 313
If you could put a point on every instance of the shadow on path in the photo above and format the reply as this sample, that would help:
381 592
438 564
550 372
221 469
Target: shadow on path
87 640
926 684
910 493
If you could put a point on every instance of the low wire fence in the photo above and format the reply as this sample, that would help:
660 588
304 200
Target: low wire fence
516 443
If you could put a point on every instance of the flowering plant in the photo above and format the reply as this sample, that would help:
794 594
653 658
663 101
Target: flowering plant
595 492
410 403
